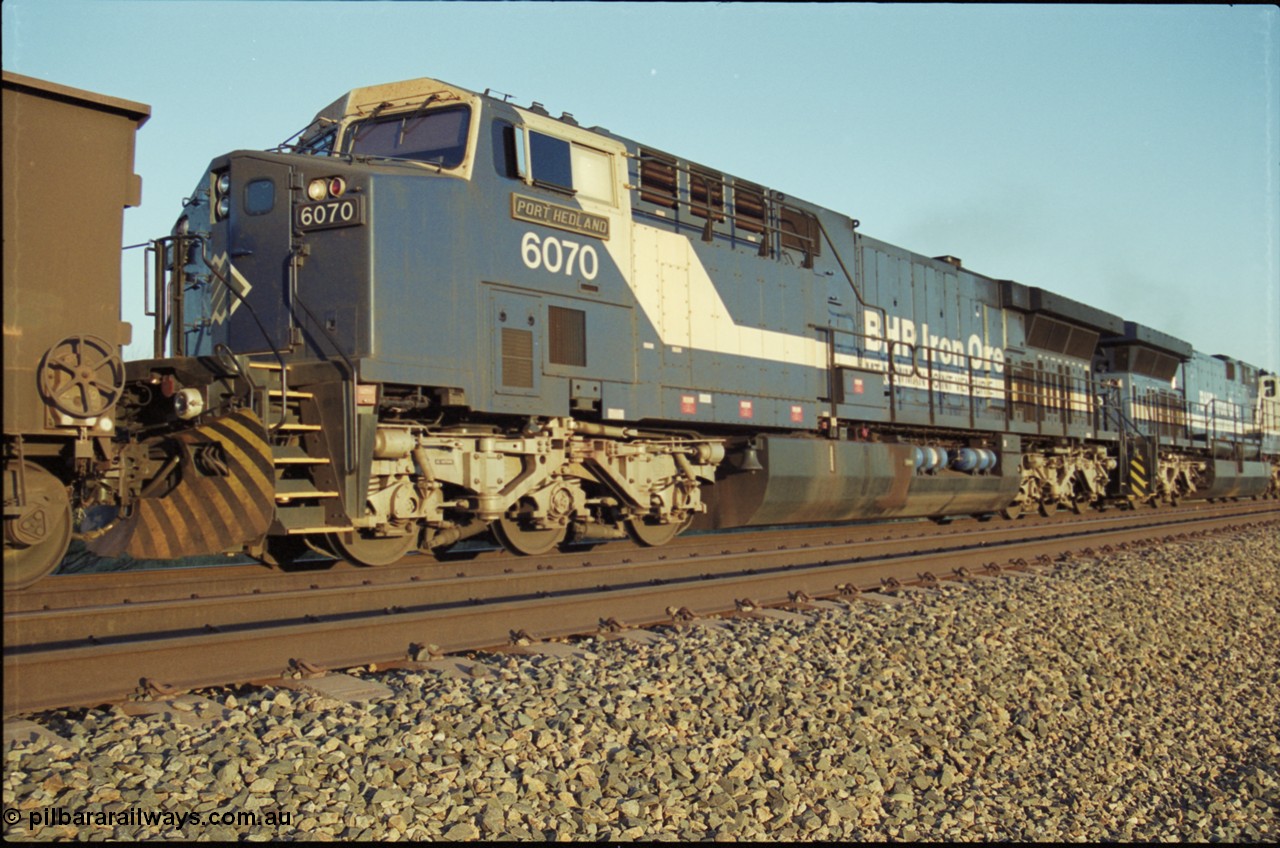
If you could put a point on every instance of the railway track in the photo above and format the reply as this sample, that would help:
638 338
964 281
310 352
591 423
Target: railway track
136 586
164 630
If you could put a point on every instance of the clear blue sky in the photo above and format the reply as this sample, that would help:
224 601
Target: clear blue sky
1124 156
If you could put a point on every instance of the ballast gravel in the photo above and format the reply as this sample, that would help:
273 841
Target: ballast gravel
1135 696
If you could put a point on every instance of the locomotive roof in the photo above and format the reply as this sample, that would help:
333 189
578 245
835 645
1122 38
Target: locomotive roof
364 100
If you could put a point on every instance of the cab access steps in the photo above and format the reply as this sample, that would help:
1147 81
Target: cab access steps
1137 457
307 497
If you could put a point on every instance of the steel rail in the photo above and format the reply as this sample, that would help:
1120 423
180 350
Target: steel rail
46 675
180 583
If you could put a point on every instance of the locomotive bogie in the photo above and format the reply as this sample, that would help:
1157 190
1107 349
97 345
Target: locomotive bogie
540 483
532 482
1069 477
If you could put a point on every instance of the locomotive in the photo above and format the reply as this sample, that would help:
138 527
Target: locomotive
433 314
456 316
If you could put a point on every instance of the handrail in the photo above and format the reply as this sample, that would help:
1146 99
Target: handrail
965 375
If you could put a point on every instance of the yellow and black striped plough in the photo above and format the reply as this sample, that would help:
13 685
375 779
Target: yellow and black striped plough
221 496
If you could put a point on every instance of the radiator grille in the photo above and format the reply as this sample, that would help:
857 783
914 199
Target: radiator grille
1059 337
517 358
567 329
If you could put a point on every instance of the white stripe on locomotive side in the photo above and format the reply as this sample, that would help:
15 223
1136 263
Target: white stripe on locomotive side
683 305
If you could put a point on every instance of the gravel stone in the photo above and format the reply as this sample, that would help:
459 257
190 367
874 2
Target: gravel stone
1128 697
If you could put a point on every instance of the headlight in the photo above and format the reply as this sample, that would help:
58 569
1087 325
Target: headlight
188 403
317 190
224 183
224 207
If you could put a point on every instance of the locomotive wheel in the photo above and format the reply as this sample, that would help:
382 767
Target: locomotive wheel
36 540
655 535
520 539
1013 511
373 550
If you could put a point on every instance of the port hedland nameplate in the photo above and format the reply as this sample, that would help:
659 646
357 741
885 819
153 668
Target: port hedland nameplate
561 217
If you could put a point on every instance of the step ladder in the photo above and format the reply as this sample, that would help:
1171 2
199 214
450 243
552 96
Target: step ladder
306 491
1137 457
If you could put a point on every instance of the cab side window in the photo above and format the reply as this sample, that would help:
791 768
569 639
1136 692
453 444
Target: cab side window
552 163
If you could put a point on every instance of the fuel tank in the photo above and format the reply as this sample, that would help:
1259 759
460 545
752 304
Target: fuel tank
819 480
1232 480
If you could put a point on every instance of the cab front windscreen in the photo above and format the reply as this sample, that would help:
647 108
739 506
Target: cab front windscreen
438 136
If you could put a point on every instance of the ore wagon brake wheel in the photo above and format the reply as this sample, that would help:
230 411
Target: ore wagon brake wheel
81 376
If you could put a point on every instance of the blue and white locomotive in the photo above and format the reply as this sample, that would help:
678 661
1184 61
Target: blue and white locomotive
455 316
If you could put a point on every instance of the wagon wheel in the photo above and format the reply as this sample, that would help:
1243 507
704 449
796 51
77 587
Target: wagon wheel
653 534
36 539
372 550
81 376
516 533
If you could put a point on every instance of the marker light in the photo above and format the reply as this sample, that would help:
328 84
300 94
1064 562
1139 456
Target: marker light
337 186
